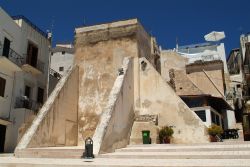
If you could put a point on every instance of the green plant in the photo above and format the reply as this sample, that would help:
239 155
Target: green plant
215 130
165 132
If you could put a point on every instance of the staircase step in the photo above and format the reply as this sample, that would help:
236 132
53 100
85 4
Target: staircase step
228 142
180 155
107 162
186 148
51 152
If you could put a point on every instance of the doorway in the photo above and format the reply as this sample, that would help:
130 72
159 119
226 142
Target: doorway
32 53
2 137
6 47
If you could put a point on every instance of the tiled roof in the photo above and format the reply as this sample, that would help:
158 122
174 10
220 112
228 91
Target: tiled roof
183 85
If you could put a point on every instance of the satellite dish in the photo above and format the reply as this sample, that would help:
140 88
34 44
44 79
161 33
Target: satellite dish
215 36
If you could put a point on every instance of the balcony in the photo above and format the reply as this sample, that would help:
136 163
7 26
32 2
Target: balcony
24 102
34 69
55 74
12 61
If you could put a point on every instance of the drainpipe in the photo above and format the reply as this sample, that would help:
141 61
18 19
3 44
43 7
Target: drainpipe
12 93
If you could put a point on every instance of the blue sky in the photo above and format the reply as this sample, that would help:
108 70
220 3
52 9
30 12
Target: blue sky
189 20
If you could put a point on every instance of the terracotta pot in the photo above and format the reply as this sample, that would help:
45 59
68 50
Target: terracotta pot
166 140
213 138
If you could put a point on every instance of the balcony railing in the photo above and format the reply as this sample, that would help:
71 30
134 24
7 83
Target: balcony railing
55 74
24 102
39 65
19 60
15 58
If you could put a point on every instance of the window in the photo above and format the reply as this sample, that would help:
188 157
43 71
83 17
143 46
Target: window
63 52
217 120
202 115
2 86
32 53
213 117
40 93
6 47
27 92
61 68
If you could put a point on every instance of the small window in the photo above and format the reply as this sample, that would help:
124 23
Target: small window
217 120
213 117
202 115
40 94
61 68
2 86
63 52
27 92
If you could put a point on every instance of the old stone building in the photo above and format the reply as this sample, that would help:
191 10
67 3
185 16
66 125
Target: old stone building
201 86
112 93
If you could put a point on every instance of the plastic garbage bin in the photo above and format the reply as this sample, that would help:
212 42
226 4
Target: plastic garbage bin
146 137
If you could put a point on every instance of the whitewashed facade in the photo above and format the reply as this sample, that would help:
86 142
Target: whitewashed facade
24 61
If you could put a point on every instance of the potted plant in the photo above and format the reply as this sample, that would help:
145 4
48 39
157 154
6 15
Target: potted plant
213 131
165 134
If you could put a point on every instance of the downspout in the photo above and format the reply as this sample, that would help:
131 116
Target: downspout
12 94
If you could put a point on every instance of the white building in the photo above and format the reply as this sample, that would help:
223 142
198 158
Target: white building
204 52
24 59
62 58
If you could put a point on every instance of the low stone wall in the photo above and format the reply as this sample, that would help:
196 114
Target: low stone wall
56 122
113 130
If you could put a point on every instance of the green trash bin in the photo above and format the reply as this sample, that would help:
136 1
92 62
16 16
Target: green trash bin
146 137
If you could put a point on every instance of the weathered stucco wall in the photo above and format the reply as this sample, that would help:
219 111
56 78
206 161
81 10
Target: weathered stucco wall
98 69
209 82
158 98
113 130
56 122
171 60
99 53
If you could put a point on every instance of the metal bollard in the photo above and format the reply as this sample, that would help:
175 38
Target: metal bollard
89 148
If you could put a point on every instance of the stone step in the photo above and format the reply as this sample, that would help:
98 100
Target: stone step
105 162
50 152
6 154
179 155
228 142
186 148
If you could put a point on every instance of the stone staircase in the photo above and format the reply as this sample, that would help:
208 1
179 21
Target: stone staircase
229 150
228 154
51 152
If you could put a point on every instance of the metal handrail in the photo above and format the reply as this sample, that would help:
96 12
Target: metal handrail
20 60
14 57
40 65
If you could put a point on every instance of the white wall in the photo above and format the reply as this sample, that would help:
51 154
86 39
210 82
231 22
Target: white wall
19 33
61 60
208 111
